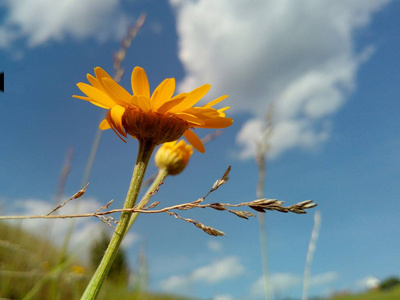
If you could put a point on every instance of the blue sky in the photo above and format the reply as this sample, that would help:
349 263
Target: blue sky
331 70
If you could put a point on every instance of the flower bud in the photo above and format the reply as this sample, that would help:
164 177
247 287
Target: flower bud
173 156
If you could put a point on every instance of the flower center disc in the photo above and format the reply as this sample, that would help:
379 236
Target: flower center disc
153 126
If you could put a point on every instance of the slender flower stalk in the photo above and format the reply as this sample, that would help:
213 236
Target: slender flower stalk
171 159
145 151
146 198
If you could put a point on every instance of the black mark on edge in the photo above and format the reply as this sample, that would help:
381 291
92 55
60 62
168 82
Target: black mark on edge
2 82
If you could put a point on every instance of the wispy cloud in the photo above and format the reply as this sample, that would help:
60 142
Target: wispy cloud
223 297
220 270
38 22
324 278
214 245
299 54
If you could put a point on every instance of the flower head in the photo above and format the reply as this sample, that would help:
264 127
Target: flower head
173 156
159 117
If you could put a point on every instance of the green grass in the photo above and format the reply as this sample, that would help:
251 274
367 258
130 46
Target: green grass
392 294
28 267
28 264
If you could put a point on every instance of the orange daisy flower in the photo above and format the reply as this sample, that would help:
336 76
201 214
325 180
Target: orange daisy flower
156 118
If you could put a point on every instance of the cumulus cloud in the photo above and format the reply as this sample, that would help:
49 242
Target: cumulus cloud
41 21
86 229
300 55
369 282
220 270
287 281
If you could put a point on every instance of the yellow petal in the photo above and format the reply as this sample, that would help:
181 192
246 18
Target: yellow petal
202 112
215 101
140 83
93 81
96 95
169 104
81 97
221 110
163 93
192 119
212 118
192 98
104 125
114 119
117 91
194 140
141 102
99 105
100 76
219 122
90 100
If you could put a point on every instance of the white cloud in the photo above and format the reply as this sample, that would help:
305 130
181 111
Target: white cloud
323 279
223 297
130 239
298 54
220 270
277 282
175 282
287 281
40 21
86 229
369 282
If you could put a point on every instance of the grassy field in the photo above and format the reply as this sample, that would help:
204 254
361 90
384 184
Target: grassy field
30 269
392 294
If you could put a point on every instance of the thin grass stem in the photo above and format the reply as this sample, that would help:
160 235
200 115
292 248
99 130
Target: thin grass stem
310 254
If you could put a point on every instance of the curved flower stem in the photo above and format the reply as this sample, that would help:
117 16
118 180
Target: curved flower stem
162 173
145 150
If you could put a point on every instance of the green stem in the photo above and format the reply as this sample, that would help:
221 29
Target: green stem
162 173
144 154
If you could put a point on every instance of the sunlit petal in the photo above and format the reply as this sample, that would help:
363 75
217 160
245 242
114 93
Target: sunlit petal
141 102
192 98
100 76
93 81
194 140
163 93
116 91
140 83
192 119
96 95
114 119
215 101
104 125
169 104
220 122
